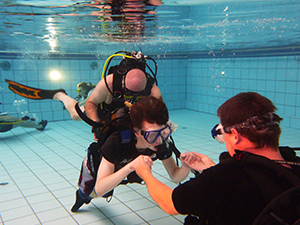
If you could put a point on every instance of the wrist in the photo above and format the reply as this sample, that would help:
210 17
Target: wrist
129 168
184 165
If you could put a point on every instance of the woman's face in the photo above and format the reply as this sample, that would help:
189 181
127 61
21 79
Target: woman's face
152 135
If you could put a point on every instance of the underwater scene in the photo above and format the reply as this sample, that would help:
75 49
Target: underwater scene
196 55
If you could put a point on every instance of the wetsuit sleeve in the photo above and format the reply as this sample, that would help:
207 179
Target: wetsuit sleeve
195 196
111 149
182 197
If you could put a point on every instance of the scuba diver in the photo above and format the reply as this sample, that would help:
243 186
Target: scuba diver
111 163
126 81
109 160
129 81
8 123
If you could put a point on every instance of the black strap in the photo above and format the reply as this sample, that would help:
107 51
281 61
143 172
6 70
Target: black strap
173 147
85 118
284 171
117 84
267 186
177 153
150 82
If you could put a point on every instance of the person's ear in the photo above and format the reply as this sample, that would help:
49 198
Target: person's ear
237 136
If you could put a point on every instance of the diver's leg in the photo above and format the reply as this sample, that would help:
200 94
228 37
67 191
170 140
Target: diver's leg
22 122
5 127
9 122
69 103
87 178
31 92
86 185
9 119
30 124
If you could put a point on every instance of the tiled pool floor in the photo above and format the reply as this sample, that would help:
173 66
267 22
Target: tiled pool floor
39 172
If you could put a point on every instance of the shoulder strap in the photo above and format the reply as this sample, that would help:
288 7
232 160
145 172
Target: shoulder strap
283 171
265 183
150 82
267 186
117 84
174 148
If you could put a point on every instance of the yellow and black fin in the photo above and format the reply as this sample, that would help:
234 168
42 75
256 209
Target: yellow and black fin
30 92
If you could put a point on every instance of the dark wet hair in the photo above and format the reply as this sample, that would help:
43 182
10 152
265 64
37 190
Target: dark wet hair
149 109
250 105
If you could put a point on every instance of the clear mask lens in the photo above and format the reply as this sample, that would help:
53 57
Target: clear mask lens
218 133
151 136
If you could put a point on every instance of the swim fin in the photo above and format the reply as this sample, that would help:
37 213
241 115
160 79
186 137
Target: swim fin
30 92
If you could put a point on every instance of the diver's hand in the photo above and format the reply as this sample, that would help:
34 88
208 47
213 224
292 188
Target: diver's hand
199 163
187 158
142 165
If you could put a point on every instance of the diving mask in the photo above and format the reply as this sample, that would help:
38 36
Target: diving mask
133 96
151 136
255 122
218 133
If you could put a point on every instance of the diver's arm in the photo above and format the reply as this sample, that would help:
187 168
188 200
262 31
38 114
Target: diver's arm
159 192
177 174
100 94
107 179
155 92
